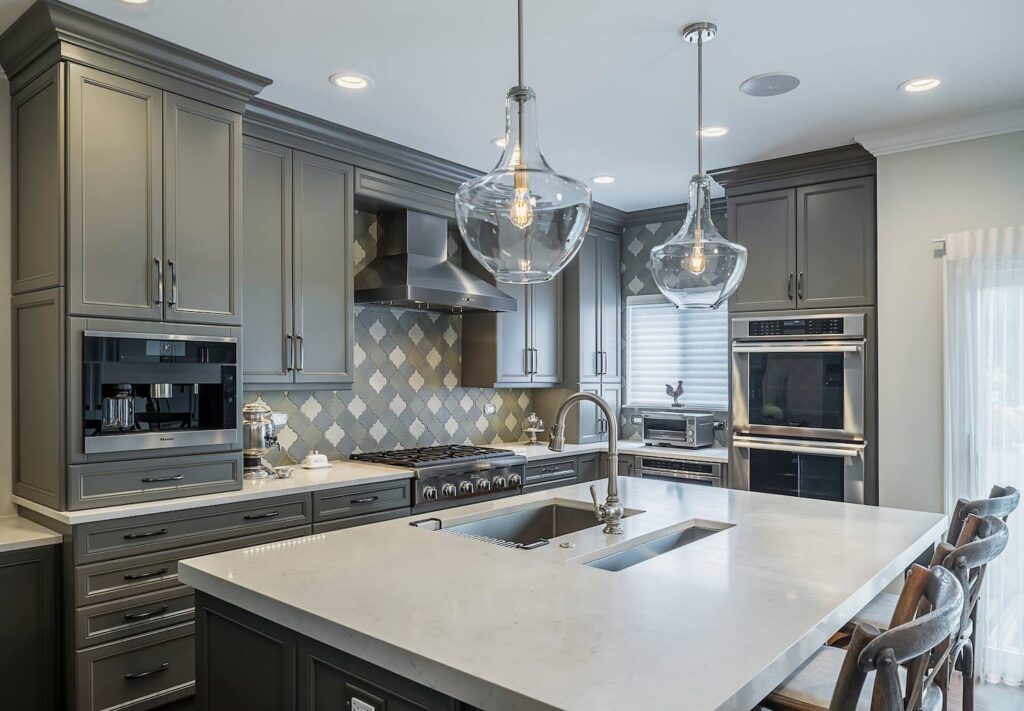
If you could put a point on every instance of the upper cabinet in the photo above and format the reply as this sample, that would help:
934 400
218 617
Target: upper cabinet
297 267
592 311
808 223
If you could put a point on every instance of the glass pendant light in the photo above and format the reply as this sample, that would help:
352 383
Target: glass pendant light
523 221
697 268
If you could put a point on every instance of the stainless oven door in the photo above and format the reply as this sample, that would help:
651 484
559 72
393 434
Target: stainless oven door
833 471
799 389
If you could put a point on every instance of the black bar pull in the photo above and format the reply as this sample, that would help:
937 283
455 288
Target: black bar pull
144 576
366 500
157 479
142 675
147 534
256 517
135 616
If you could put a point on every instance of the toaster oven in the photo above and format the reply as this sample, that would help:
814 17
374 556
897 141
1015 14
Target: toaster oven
666 428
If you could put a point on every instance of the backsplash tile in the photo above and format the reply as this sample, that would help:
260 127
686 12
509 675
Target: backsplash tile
406 391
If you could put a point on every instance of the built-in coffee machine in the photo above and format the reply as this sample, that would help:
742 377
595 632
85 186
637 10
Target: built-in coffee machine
143 391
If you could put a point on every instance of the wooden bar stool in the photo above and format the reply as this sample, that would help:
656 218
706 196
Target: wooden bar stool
904 661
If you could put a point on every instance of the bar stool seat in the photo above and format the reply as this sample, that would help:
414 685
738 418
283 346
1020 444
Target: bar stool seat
878 612
810 688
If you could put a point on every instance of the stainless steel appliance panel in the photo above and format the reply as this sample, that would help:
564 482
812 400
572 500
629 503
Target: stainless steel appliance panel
821 470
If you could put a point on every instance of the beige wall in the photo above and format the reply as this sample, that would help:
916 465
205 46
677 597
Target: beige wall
5 299
923 194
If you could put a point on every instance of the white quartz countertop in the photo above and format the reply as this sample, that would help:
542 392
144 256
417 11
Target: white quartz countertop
626 446
715 624
341 473
17 533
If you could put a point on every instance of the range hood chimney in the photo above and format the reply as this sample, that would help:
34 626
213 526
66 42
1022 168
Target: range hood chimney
411 270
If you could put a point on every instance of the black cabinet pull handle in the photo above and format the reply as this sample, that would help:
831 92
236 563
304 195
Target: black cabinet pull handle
789 286
144 576
134 616
157 479
147 534
159 298
289 353
256 517
142 675
367 500
174 284
800 285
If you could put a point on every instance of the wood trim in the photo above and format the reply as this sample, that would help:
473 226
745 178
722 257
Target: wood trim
837 163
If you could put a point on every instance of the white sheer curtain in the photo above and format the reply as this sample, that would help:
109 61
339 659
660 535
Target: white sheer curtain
984 418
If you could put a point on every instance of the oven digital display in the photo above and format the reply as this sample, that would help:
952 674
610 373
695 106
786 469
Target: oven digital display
797 327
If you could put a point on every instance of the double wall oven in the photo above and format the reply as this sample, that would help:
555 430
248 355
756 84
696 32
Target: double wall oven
799 404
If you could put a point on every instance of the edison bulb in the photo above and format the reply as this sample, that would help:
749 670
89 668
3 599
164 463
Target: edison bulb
698 262
521 213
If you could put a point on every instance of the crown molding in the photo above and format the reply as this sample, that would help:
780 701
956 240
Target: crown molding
938 132
669 213
848 161
51 30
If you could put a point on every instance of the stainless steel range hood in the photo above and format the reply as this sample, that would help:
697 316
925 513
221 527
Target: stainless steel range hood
412 270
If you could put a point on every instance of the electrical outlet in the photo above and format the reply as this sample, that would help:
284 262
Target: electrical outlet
489 409
637 419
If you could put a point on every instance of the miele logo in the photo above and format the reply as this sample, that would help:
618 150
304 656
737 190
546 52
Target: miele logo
167 439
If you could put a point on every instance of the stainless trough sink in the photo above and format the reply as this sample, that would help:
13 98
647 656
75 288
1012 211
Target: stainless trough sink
532 527
652 549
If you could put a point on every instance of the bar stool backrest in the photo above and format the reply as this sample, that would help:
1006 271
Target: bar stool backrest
1001 502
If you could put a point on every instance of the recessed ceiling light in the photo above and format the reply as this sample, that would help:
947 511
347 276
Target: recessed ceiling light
500 141
603 179
135 2
920 84
771 84
713 131
347 80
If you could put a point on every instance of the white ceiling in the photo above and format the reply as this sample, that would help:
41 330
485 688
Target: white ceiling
616 84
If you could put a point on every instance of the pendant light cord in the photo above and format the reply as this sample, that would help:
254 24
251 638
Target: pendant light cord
700 102
520 36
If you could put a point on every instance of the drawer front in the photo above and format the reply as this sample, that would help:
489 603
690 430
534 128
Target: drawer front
358 500
550 469
548 484
363 520
116 579
108 484
104 540
110 621
137 673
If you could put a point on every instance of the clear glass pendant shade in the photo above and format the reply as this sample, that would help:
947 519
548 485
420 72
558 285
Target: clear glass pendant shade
523 221
697 268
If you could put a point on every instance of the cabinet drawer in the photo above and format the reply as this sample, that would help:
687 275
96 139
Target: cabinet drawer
363 520
551 469
116 579
115 620
107 484
137 673
548 484
357 500
104 540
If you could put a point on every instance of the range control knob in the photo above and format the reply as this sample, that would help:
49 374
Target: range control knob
448 490
483 485
499 482
515 481
430 493
466 487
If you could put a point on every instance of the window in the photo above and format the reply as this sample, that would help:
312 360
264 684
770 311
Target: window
665 344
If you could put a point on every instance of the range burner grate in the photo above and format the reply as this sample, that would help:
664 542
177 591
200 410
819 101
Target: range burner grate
424 456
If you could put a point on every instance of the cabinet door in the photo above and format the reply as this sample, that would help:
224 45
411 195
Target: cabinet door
28 656
322 253
203 212
609 306
836 238
765 223
588 349
611 394
589 429
114 196
267 347
546 330
512 329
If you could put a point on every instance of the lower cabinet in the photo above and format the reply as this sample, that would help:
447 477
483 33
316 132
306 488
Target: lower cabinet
28 629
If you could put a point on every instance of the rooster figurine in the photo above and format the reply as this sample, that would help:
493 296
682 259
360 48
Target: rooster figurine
675 393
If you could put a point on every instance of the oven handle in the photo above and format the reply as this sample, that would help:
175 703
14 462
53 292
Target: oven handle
810 347
678 475
831 450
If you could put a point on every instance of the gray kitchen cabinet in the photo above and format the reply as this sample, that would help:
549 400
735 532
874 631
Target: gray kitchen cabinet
609 305
521 348
836 244
202 166
592 310
627 465
114 195
28 628
322 270
298 268
765 223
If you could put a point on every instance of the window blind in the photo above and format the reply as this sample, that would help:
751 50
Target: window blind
666 344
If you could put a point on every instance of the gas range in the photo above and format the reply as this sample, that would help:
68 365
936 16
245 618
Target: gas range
455 474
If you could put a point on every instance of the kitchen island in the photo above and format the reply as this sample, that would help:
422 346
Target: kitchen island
415 615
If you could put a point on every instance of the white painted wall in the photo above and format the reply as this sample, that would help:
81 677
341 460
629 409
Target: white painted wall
923 194
6 507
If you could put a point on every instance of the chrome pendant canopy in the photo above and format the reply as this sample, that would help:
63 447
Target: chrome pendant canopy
697 268
523 221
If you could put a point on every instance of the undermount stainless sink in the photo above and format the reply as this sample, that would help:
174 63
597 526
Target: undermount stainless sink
652 549
531 527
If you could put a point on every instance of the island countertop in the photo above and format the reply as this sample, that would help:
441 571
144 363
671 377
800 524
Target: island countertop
715 624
